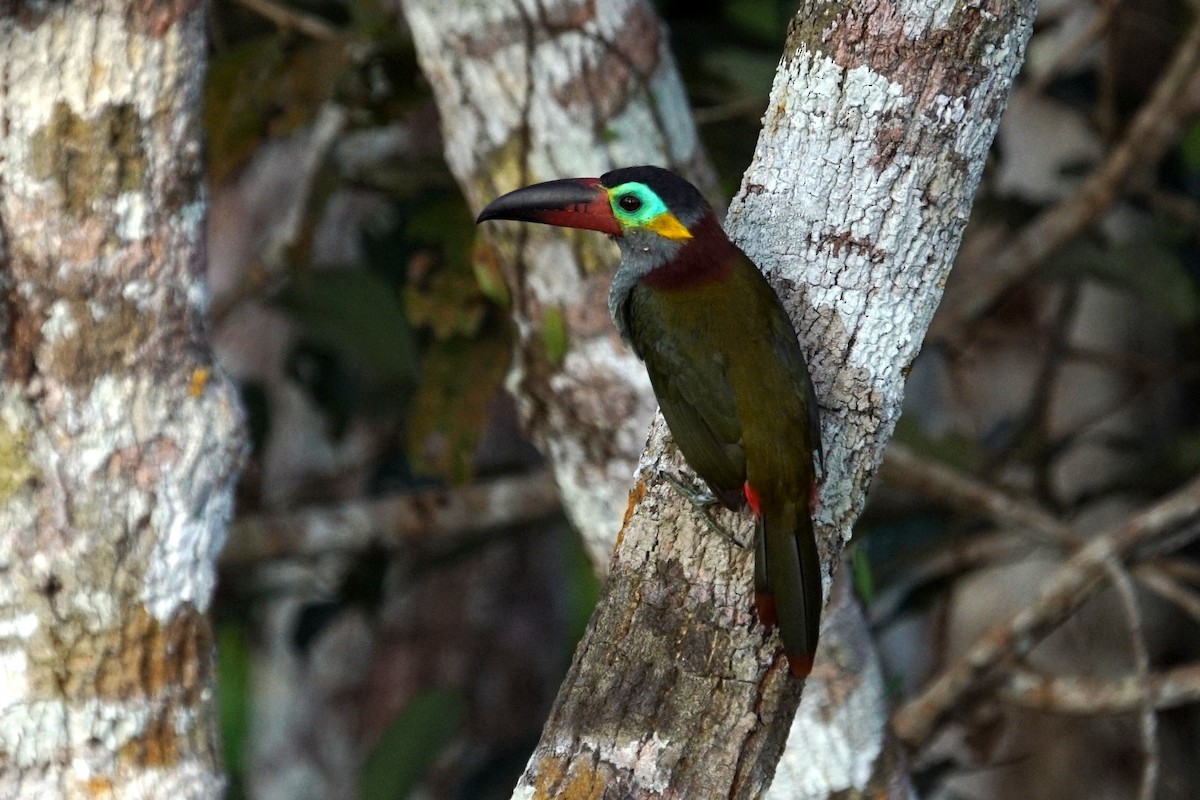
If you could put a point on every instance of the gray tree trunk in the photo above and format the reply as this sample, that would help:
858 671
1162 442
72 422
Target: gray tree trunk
880 119
119 443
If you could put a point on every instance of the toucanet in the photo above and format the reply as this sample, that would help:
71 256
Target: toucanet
724 362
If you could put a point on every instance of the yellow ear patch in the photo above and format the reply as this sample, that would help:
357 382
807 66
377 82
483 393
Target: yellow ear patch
665 224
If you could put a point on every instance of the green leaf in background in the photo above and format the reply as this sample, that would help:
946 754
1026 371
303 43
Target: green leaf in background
233 695
1189 148
1147 268
864 578
583 592
237 97
358 315
458 379
371 21
1184 450
554 334
762 19
410 745
485 263
444 220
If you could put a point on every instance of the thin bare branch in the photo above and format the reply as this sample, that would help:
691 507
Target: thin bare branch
292 19
1060 595
1179 568
1071 52
1166 587
742 106
1147 718
957 557
1156 126
1179 206
904 468
1177 540
1137 365
1087 696
389 521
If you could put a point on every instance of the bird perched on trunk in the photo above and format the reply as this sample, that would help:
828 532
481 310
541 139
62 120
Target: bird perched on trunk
724 362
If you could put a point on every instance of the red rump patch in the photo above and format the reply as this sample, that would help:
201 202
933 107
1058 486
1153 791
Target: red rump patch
764 604
751 498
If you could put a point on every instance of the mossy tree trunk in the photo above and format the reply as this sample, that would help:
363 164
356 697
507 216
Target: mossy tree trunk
119 442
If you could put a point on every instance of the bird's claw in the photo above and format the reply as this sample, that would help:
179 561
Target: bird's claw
703 501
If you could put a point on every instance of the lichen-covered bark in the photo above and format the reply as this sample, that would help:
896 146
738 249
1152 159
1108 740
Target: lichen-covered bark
880 119
119 443
879 122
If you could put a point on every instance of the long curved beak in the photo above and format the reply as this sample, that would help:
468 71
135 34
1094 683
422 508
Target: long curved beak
568 203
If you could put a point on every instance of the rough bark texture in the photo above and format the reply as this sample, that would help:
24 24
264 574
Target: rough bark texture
119 444
839 742
880 120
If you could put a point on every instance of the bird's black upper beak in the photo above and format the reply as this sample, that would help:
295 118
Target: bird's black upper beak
569 203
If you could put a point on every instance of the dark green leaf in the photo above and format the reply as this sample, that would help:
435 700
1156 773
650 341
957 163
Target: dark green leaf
864 579
583 592
371 20
759 18
1185 451
554 335
952 449
485 263
444 221
237 100
266 87
449 302
233 694
1189 148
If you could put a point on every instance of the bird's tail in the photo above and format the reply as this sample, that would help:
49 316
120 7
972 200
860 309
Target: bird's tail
787 579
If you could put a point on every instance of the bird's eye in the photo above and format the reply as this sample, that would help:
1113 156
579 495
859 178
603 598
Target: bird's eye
630 202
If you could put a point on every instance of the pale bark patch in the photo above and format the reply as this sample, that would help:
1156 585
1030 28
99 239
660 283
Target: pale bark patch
116 463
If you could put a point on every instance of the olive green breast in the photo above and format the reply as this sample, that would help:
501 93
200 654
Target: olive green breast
730 378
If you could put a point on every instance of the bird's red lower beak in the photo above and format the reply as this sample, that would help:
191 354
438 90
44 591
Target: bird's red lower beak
568 203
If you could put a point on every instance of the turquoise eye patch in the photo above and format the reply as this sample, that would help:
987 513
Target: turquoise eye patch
651 204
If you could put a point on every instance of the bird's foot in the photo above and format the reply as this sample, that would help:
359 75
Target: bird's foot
702 499
704 503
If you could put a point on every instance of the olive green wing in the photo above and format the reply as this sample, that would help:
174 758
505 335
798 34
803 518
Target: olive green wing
787 347
785 460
